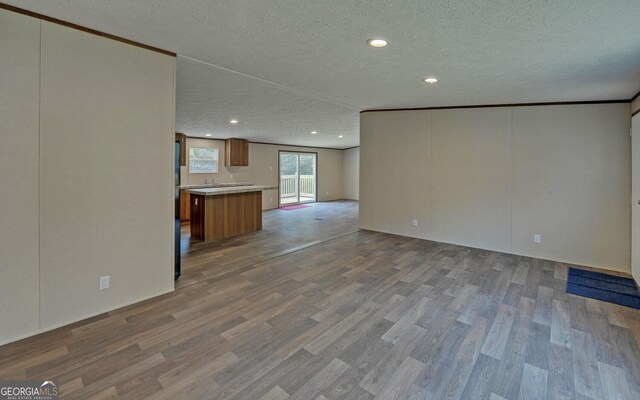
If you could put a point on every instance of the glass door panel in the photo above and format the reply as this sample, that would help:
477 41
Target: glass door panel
307 178
289 193
298 182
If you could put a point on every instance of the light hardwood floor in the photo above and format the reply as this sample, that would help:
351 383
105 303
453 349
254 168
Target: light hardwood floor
358 315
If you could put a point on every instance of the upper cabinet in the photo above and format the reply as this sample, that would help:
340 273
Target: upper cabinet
182 138
237 153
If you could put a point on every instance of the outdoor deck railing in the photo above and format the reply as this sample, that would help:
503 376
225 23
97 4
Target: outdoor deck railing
289 186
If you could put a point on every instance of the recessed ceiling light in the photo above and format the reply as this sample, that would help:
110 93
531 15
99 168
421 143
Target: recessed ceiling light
431 80
341 136
377 43
313 132
234 121
208 135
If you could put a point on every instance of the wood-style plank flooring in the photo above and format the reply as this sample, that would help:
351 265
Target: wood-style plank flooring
283 232
362 315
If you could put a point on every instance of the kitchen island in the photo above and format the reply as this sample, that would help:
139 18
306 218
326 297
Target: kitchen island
221 212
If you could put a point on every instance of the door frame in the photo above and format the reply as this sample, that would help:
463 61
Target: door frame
280 177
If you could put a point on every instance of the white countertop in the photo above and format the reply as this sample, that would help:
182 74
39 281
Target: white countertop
229 189
215 185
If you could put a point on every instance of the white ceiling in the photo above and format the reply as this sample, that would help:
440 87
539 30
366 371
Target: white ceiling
315 72
208 98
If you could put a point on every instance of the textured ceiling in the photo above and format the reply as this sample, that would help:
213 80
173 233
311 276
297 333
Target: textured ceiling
316 71
208 98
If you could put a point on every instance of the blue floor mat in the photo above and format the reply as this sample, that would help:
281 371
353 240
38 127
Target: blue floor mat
604 285
602 277
609 288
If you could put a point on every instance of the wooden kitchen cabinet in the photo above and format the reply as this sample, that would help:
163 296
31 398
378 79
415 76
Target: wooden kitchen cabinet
185 206
237 153
222 216
182 138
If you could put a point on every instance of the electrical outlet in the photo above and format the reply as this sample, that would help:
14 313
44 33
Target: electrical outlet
327 193
104 282
415 222
271 199
537 238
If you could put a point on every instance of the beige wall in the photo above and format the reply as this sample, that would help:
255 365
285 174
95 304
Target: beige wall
635 257
263 169
571 180
394 192
493 177
224 175
19 251
351 174
635 198
102 163
471 175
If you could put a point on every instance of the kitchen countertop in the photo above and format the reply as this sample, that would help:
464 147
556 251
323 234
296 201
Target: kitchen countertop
230 189
214 185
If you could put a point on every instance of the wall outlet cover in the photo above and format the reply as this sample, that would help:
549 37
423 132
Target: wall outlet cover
415 222
537 238
104 282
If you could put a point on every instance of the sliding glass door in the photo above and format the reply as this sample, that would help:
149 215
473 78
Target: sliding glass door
298 181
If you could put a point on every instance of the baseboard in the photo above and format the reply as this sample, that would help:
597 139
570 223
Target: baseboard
75 321
21 337
587 267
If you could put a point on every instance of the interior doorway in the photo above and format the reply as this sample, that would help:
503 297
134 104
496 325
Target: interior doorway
298 177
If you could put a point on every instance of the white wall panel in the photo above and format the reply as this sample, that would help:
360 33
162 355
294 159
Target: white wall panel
19 136
572 184
471 196
492 177
351 173
106 174
395 172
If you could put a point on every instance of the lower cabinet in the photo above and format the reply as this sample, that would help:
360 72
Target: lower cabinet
222 216
185 206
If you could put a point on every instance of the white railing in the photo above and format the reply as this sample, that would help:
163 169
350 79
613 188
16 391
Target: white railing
289 186
307 186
